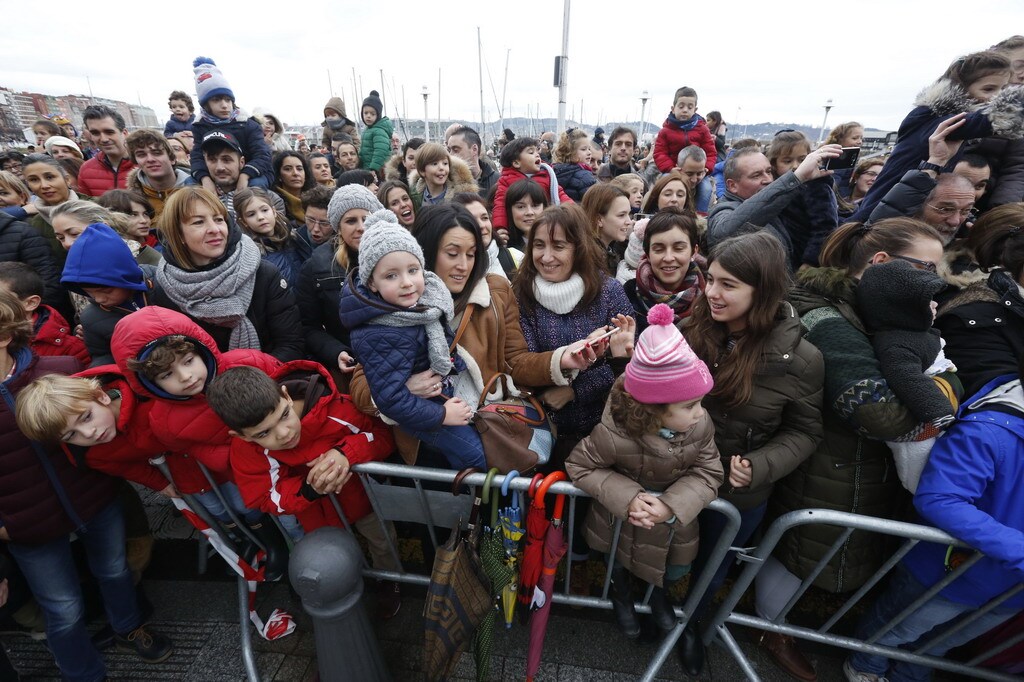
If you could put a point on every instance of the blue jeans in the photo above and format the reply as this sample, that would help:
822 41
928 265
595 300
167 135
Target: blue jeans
703 195
262 181
937 612
460 445
711 524
50 571
211 501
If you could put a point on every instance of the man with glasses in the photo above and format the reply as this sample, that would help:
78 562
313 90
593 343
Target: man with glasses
943 200
11 161
754 196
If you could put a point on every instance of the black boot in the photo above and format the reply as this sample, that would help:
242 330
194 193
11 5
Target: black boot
622 603
691 649
270 537
661 610
243 546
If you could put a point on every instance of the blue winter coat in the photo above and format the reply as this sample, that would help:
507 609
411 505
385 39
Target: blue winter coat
249 134
288 261
175 126
998 118
575 179
970 488
390 355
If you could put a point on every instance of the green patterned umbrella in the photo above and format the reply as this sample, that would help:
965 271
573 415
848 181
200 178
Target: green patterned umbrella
492 557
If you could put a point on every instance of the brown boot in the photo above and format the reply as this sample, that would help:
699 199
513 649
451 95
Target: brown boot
783 649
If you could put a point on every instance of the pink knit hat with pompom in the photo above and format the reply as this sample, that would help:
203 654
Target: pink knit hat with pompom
664 369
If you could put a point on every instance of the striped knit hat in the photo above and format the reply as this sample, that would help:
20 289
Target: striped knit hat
664 369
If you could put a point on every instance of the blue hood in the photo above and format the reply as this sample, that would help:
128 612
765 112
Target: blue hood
99 257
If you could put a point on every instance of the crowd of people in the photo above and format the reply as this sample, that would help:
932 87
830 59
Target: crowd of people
704 318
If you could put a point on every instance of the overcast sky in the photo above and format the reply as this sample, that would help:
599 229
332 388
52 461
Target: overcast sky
753 61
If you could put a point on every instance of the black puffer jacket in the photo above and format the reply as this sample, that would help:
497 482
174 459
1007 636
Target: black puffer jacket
319 292
1006 158
20 242
272 309
983 325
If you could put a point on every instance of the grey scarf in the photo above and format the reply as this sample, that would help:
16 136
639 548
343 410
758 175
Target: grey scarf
438 302
221 295
45 210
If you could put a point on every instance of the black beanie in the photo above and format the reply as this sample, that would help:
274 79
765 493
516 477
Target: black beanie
373 101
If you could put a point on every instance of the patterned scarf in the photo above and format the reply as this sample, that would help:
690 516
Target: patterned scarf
651 292
210 118
435 304
220 295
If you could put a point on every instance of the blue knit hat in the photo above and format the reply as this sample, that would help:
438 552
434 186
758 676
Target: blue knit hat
100 258
210 82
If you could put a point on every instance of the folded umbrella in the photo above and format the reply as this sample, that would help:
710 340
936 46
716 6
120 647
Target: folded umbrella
536 528
511 519
554 549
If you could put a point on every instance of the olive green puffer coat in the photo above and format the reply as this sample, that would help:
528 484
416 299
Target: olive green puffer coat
853 468
780 425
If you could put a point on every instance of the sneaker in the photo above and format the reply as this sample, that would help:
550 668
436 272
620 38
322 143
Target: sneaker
857 676
151 647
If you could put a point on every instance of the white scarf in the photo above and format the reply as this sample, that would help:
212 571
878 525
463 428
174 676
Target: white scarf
493 265
559 297
45 210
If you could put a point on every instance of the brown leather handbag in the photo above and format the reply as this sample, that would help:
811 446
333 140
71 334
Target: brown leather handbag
516 432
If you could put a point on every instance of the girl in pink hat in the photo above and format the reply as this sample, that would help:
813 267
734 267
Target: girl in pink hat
654 426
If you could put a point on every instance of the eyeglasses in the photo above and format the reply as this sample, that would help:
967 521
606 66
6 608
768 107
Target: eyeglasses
313 222
950 211
869 174
919 264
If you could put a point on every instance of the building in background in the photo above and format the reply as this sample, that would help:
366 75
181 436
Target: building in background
19 110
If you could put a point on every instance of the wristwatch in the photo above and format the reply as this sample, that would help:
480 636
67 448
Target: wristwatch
925 166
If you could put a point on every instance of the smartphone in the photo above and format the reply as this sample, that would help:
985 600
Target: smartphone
604 336
847 159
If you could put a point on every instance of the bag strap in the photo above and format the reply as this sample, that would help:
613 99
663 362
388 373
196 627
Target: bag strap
466 315
542 416
487 388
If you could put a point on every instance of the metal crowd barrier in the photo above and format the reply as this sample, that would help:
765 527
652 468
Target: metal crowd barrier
437 508
726 614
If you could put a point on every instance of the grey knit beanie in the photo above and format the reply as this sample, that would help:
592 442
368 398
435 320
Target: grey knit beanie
383 235
348 197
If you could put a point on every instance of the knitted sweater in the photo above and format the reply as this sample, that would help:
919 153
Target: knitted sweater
545 330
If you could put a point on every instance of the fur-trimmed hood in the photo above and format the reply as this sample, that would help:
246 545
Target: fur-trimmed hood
958 267
991 287
1005 111
393 168
138 182
833 284
460 179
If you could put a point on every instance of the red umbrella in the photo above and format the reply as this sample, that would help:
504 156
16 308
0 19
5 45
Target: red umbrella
536 527
554 549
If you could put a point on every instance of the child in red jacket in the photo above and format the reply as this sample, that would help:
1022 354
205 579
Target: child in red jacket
51 333
166 356
520 160
682 128
296 438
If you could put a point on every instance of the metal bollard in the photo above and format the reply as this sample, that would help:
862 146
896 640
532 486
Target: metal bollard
326 570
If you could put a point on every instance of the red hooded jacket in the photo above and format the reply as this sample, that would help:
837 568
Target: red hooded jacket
510 176
183 425
671 140
54 336
275 481
127 455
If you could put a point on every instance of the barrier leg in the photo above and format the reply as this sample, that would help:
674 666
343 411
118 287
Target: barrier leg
248 655
326 572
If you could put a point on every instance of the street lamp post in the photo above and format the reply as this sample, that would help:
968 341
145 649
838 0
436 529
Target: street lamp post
426 118
828 106
644 96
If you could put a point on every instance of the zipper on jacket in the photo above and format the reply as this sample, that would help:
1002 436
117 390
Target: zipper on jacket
750 439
